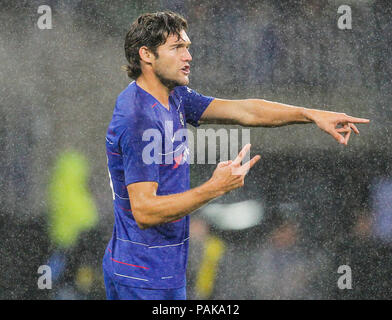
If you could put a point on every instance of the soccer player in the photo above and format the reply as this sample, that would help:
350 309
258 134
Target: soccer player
147 255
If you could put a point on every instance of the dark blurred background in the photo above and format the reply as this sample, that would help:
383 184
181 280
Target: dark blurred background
309 206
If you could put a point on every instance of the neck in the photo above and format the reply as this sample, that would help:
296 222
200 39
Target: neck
155 87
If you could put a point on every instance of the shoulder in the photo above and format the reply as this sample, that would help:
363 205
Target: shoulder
127 99
132 113
189 94
133 106
183 90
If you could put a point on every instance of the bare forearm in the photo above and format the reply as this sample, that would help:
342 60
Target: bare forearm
163 209
263 113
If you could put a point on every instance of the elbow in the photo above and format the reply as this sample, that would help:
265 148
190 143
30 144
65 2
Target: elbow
144 204
143 217
141 220
252 117
143 226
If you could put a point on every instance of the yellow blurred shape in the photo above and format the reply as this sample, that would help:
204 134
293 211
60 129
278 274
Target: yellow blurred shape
214 249
71 206
84 278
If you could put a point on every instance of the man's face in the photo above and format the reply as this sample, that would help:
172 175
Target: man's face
172 63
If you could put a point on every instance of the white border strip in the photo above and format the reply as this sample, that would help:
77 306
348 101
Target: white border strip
169 245
155 247
121 197
122 275
142 244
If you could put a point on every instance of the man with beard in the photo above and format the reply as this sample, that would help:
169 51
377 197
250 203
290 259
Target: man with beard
147 255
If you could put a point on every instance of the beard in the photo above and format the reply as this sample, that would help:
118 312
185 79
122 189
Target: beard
168 83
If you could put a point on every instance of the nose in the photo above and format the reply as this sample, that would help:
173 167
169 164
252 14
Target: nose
187 56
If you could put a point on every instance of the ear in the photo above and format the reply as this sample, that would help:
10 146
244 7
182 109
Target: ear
146 55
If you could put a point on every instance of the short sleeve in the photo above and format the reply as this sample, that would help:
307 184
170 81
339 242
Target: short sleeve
138 166
194 104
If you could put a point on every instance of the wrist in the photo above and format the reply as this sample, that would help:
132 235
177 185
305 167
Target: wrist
211 188
307 114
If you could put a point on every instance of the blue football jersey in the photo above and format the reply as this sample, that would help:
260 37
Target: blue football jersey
147 142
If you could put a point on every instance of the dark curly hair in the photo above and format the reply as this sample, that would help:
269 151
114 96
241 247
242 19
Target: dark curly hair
150 30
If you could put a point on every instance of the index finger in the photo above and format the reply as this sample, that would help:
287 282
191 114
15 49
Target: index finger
355 120
241 155
243 170
246 167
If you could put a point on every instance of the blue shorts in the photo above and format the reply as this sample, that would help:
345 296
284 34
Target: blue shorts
116 291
